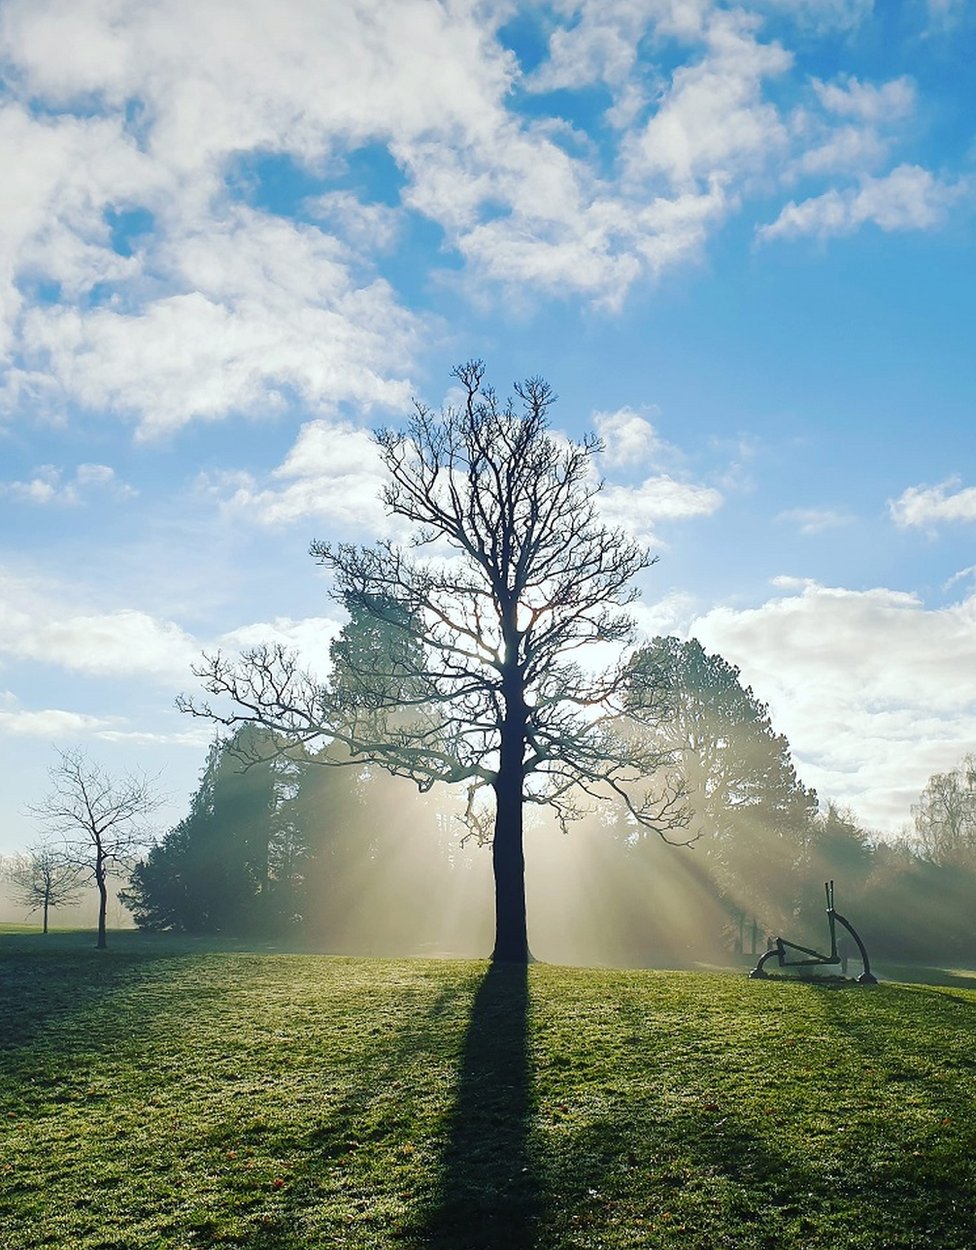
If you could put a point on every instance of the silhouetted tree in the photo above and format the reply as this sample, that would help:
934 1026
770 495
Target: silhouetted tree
230 865
479 684
42 879
747 804
101 822
839 848
915 909
166 889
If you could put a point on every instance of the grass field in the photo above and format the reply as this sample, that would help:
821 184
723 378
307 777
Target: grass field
168 1094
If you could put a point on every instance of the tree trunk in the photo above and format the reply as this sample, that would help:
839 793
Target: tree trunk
507 855
508 863
46 902
102 903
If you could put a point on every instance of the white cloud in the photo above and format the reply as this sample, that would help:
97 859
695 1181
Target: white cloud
853 126
821 16
816 520
215 313
961 576
48 485
60 174
367 227
36 623
927 506
222 309
293 77
909 198
629 439
600 39
713 121
944 15
844 149
660 498
50 723
310 637
669 615
874 691
273 309
849 97
198 738
332 473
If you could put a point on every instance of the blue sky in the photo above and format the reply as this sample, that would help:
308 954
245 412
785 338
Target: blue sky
738 240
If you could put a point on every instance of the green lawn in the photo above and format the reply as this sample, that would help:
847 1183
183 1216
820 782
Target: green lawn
168 1094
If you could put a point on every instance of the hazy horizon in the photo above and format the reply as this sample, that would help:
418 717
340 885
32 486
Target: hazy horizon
737 240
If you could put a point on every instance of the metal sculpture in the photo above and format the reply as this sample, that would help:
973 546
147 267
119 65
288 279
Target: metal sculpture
779 950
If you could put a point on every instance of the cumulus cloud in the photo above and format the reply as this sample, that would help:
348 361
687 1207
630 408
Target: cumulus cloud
638 509
874 690
49 485
820 16
222 309
367 227
629 440
945 15
118 108
713 121
332 473
309 637
851 126
852 98
49 723
927 506
273 310
37 624
909 198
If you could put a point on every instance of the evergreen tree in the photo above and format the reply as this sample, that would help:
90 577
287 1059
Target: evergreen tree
215 872
749 809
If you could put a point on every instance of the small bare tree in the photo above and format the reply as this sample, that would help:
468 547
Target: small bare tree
42 879
101 822
945 816
465 670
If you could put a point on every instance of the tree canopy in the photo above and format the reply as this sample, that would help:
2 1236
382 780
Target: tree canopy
748 807
472 673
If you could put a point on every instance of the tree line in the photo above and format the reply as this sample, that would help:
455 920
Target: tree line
351 858
464 662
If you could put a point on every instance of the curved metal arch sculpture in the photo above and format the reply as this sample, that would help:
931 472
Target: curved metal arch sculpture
779 951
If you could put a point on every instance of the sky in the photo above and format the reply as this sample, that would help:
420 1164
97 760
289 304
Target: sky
236 237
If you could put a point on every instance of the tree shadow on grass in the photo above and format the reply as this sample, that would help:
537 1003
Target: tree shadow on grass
922 974
489 1197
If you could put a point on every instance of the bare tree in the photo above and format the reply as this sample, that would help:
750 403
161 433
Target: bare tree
945 816
102 822
468 671
42 879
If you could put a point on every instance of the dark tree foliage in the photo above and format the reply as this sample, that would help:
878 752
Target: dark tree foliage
749 808
916 910
218 870
475 678
286 846
839 848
